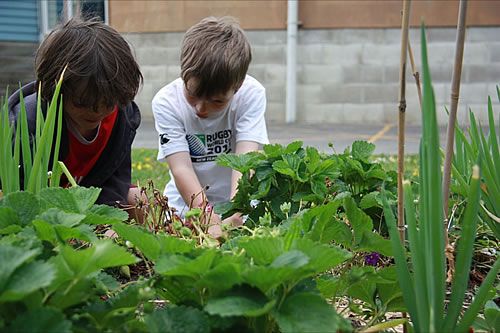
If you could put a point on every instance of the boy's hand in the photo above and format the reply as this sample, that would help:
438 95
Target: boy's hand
215 229
234 220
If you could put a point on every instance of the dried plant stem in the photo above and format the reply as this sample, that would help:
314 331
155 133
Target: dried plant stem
455 92
415 73
401 123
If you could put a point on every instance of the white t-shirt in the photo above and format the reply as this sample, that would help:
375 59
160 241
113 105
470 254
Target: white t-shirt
180 129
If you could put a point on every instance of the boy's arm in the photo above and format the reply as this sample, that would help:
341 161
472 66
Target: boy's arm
185 178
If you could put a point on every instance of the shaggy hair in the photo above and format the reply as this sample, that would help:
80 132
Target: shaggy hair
217 54
100 66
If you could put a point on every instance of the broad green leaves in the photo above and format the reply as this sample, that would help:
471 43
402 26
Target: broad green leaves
306 312
178 319
21 274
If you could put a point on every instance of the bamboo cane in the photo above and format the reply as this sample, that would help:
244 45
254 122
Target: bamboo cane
455 92
416 74
402 110
401 125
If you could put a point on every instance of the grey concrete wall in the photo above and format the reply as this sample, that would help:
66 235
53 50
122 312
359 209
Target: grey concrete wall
345 75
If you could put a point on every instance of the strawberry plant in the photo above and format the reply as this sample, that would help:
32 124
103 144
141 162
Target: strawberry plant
296 178
53 264
258 282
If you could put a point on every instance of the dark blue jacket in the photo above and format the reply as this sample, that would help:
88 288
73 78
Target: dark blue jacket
112 171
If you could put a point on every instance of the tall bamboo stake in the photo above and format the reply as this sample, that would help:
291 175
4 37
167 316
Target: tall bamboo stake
401 126
455 92
415 73
402 110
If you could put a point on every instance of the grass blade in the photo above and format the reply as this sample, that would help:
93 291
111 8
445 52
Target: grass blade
41 160
433 203
465 250
25 141
416 255
480 298
56 176
403 272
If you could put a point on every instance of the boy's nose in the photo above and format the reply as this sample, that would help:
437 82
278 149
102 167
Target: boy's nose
200 107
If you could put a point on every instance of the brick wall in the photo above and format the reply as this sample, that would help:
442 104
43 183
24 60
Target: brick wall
345 75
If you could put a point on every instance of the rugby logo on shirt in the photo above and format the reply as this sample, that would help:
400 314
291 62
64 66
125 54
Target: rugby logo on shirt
196 144
206 147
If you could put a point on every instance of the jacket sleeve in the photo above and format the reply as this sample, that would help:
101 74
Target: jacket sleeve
115 190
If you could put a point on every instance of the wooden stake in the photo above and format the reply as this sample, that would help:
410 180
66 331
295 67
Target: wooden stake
402 111
455 92
401 126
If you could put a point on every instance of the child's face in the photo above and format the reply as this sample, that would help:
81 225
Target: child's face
208 106
86 119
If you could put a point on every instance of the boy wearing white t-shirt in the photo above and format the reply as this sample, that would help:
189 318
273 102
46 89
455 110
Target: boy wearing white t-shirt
212 109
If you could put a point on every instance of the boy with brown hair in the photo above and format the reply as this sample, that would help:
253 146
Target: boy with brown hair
100 119
212 109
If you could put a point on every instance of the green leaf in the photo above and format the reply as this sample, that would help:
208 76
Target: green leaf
243 301
11 259
8 217
85 197
321 256
102 254
363 290
263 250
171 245
293 147
372 241
370 200
358 219
27 279
222 277
492 315
25 204
273 150
179 265
306 312
145 241
329 286
41 320
242 163
56 216
362 150
178 319
268 278
293 259
59 198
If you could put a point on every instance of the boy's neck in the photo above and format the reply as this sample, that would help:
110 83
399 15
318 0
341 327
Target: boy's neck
87 134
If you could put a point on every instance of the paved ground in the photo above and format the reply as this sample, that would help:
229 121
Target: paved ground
320 135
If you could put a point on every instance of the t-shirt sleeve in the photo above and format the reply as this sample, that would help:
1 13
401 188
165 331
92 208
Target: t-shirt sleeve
250 121
168 124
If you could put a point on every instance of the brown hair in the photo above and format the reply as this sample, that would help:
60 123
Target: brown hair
217 54
100 65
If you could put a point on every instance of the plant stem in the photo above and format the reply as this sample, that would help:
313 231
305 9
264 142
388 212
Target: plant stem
416 74
455 92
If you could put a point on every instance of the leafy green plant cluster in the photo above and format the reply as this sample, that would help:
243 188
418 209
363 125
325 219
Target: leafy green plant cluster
280 181
260 282
15 147
53 264
477 146
55 269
